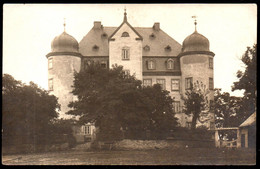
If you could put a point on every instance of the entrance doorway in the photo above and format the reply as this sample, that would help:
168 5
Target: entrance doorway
243 139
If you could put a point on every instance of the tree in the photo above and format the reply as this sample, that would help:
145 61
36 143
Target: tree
116 101
27 109
196 103
228 109
247 79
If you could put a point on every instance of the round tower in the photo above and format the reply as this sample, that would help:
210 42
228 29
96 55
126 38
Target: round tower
196 62
63 60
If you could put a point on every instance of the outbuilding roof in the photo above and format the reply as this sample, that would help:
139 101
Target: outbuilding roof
160 43
251 120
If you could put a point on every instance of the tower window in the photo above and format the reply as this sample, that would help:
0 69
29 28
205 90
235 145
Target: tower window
211 84
175 84
125 34
147 82
188 83
170 64
50 84
161 82
176 106
151 64
211 63
50 63
125 53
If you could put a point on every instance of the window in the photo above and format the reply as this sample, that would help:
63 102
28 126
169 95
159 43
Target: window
126 72
125 54
211 63
211 104
161 82
188 124
167 48
103 64
152 36
175 84
176 106
211 84
212 125
95 47
147 82
50 84
146 48
188 83
125 34
86 130
170 64
151 64
50 64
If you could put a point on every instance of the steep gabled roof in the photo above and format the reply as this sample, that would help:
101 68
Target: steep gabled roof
251 120
157 44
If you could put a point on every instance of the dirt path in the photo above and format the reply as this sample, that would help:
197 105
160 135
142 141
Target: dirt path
189 156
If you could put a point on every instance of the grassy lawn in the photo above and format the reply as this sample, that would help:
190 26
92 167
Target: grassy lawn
189 156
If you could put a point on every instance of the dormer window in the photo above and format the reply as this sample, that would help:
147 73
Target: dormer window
125 34
170 64
104 35
168 48
151 64
146 48
152 36
95 48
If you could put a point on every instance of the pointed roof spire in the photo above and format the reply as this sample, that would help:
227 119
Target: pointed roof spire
64 24
195 22
125 18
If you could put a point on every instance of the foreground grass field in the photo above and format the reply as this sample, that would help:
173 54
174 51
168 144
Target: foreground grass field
189 156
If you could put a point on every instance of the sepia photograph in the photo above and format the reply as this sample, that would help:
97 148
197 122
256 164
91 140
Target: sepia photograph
129 84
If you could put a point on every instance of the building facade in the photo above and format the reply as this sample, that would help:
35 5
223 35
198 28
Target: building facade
148 52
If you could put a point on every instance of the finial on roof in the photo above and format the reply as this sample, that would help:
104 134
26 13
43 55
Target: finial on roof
125 18
195 22
64 24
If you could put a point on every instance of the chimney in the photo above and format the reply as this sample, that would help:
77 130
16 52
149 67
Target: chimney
156 26
97 25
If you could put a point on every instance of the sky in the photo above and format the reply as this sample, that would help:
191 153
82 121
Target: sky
28 30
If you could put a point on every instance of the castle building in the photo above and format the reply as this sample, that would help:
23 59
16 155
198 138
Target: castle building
148 52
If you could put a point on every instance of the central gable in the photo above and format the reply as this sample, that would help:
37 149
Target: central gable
125 27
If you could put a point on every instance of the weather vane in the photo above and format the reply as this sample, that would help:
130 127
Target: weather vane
195 21
64 24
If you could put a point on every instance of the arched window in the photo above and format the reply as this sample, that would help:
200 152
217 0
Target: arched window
170 64
151 64
125 34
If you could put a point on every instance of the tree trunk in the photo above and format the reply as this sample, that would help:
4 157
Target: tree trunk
194 121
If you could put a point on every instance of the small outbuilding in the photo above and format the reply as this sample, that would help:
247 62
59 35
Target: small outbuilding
247 132
245 135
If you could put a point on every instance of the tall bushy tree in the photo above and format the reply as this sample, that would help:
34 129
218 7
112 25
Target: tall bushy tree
247 79
196 103
229 111
116 101
27 109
